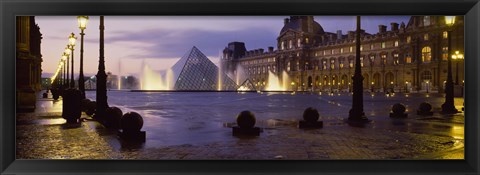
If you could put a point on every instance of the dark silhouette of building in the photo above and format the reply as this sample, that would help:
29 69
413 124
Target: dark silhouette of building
28 62
411 57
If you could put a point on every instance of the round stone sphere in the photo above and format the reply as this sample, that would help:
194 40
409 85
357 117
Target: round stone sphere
131 122
84 104
425 107
91 108
114 116
246 119
310 114
398 108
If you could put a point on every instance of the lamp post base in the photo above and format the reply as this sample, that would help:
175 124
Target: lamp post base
449 109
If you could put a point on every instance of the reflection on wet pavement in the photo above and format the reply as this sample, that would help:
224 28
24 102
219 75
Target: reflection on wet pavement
197 126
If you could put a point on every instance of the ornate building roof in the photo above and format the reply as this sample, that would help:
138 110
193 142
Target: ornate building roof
302 24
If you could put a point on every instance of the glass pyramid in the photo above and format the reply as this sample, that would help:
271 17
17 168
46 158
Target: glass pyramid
195 72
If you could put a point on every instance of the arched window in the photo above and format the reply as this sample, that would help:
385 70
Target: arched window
332 64
290 44
299 42
282 46
426 54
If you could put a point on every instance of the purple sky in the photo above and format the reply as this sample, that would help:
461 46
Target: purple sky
162 40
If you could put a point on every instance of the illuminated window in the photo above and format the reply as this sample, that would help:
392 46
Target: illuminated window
371 46
408 59
288 66
425 37
361 47
298 65
341 50
426 54
274 68
316 53
299 42
409 39
445 35
426 20
306 40
332 64
331 51
341 64
324 65
444 53
361 61
383 45
384 59
395 44
323 52
351 49
290 44
372 59
282 46
395 59
351 63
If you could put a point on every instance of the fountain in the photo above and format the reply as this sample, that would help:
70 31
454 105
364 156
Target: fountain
274 83
152 80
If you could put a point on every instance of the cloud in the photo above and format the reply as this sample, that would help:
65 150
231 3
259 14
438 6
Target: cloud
168 43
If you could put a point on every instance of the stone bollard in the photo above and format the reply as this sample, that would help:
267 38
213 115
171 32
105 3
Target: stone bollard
114 117
246 125
425 109
310 119
91 108
84 104
398 111
131 124
71 103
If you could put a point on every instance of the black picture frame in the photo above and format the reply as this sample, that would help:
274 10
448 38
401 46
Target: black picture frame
10 9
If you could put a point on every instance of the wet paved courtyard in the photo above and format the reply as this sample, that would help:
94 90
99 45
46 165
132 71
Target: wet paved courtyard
182 125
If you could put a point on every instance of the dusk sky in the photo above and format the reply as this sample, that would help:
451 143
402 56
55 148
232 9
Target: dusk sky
161 40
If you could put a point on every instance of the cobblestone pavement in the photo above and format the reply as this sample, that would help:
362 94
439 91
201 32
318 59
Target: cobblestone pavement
44 135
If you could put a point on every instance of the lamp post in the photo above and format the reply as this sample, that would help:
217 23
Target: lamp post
427 86
457 57
71 45
66 55
356 114
64 59
82 24
101 76
448 107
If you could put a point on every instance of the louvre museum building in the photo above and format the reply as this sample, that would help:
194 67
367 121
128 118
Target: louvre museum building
402 57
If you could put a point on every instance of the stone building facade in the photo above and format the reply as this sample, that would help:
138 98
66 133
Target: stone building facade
28 62
408 57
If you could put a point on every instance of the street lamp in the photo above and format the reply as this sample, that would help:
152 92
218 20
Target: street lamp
64 61
82 24
71 44
457 57
448 107
66 56
356 114
102 104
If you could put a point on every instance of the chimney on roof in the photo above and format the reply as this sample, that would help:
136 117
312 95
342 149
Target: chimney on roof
339 34
394 26
382 29
270 49
351 34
